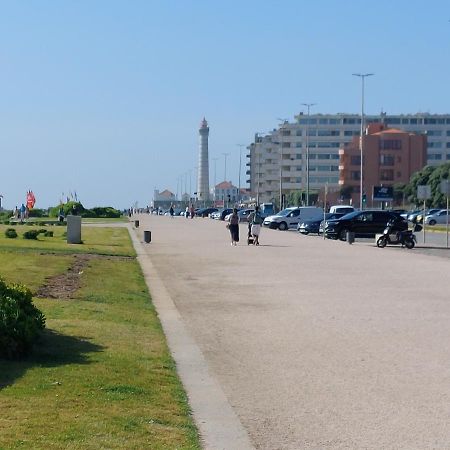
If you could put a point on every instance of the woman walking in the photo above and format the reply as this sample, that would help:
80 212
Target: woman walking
233 226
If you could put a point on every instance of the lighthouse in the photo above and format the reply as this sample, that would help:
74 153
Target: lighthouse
203 163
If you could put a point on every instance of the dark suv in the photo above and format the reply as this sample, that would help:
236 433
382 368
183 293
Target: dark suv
363 224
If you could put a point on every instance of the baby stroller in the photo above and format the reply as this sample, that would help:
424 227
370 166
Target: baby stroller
250 238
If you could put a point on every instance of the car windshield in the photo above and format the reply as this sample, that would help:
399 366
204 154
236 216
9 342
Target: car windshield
350 215
285 212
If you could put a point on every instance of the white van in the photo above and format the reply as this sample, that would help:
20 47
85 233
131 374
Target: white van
290 217
341 209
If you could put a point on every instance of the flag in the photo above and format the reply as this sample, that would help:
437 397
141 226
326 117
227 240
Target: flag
31 200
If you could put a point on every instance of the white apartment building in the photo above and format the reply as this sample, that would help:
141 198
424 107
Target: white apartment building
325 134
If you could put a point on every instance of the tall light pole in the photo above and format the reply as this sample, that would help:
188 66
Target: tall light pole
283 122
240 159
308 105
225 170
362 76
215 176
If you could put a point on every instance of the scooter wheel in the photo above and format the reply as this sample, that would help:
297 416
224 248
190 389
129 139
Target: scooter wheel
409 243
381 242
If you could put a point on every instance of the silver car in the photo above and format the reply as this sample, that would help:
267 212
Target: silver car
440 217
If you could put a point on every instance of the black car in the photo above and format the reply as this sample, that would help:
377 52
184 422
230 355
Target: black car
312 226
363 224
205 212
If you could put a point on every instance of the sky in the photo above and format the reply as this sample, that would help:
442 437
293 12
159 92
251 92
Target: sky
104 97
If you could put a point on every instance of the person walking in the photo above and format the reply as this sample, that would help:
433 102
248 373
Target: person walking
171 211
233 226
255 220
186 212
192 211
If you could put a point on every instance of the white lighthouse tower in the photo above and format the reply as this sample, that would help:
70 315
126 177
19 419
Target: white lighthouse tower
203 163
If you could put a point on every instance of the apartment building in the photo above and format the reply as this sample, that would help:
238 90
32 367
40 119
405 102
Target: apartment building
390 157
279 157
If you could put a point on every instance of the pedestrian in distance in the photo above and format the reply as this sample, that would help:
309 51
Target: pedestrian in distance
186 213
254 225
233 226
171 211
192 211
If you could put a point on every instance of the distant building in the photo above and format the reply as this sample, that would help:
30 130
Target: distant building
279 157
225 193
163 199
390 156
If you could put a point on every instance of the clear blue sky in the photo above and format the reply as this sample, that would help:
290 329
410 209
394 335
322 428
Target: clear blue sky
105 97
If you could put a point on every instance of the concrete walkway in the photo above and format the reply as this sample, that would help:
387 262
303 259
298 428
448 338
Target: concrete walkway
309 344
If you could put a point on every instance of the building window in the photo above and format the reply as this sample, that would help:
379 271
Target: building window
298 132
434 132
298 145
298 180
349 121
334 121
448 156
392 120
387 160
323 156
390 144
303 121
285 132
355 160
298 156
405 121
355 175
429 121
413 121
448 145
399 174
323 121
299 168
286 145
386 175
328 133
334 156
435 157
313 156
434 144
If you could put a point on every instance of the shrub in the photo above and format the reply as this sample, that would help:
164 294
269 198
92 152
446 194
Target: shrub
6 222
42 231
20 321
31 234
36 212
10 233
48 234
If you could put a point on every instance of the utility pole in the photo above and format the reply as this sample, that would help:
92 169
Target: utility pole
225 171
283 122
240 162
308 105
362 76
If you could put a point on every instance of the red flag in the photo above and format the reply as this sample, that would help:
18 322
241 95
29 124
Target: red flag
31 200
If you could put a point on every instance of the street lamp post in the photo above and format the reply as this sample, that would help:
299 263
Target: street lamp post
308 105
225 167
215 177
284 121
240 170
362 76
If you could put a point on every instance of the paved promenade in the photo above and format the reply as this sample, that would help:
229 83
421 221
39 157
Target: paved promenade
315 344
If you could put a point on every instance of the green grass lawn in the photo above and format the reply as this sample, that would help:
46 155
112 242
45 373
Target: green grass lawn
106 241
101 377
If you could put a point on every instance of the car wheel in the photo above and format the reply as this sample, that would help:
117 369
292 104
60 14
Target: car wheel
432 222
381 242
343 234
282 226
409 243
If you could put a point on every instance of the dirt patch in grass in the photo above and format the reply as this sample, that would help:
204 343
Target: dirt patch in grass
63 286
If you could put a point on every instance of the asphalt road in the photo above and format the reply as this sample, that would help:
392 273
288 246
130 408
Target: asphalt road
317 344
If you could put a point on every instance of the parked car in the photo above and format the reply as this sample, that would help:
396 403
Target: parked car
290 217
313 226
363 224
428 212
438 218
243 214
205 212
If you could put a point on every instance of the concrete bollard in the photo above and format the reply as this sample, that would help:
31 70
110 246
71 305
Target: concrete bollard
136 223
74 229
147 236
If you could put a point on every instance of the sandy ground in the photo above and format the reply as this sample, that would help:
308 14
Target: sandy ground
316 344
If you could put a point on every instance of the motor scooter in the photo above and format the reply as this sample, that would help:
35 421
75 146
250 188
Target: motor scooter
405 238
